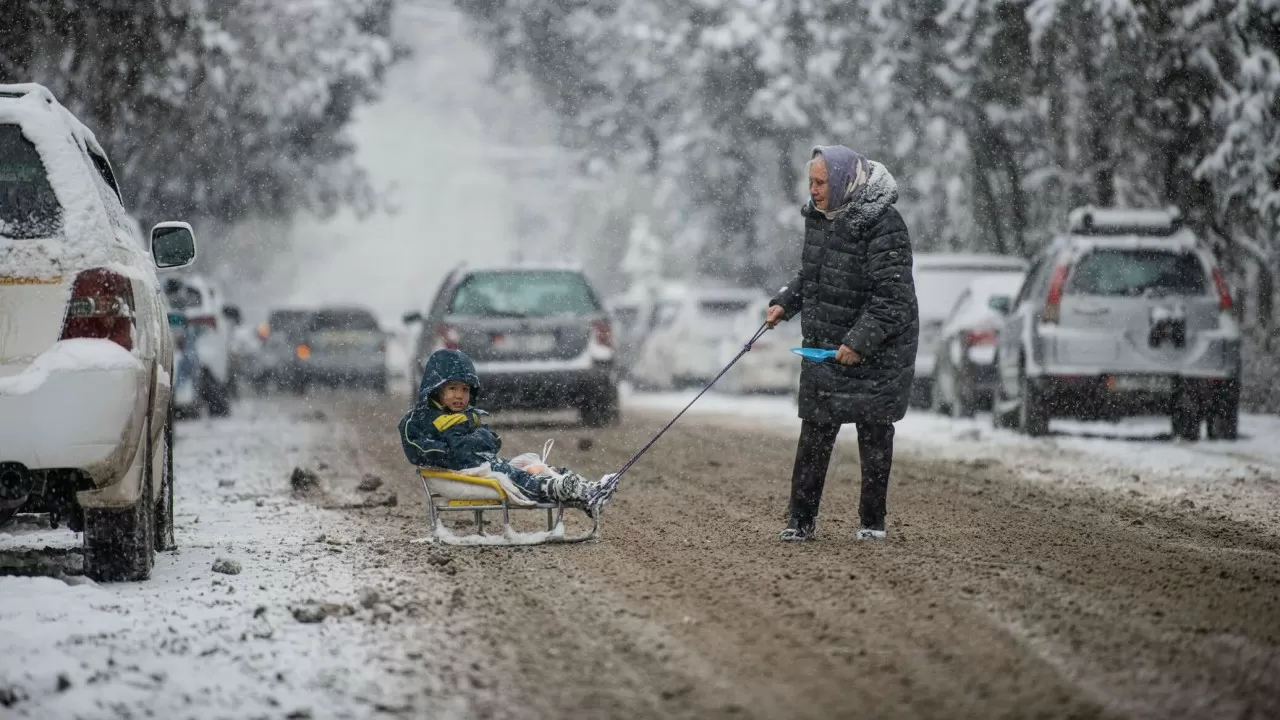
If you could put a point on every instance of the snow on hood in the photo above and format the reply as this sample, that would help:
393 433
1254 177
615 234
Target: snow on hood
69 356
89 239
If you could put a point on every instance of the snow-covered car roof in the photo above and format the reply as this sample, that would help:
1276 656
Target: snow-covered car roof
41 94
929 261
1091 220
568 266
92 234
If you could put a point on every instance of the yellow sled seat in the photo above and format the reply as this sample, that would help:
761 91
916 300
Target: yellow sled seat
458 490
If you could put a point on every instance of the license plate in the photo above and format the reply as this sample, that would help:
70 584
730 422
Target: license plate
536 343
1142 383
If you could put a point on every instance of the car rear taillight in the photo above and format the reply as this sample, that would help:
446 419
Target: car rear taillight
981 337
1224 292
264 331
1053 303
446 338
207 321
303 352
101 307
602 330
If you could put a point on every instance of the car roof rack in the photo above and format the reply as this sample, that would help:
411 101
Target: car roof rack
1090 220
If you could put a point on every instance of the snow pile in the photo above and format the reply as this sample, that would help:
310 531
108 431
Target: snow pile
191 642
69 356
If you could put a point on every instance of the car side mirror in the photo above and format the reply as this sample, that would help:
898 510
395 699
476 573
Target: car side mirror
173 245
1000 303
411 317
232 313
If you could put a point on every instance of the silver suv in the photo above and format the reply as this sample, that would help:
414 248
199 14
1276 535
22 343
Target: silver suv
1127 313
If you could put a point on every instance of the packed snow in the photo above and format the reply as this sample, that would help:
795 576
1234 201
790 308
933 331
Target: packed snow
1240 479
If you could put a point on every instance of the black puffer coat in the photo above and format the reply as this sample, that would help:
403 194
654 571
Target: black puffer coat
855 288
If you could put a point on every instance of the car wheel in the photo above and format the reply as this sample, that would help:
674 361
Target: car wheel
601 412
216 396
1224 420
939 400
119 542
1186 424
962 403
164 504
1033 415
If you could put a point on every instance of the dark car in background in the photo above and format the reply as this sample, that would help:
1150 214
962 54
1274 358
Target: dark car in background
540 337
342 347
278 357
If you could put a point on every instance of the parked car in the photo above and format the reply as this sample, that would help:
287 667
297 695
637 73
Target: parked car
939 279
86 356
1125 313
211 321
770 366
342 347
688 329
539 335
245 355
965 364
278 361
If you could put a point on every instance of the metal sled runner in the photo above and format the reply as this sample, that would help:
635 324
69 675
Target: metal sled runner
452 492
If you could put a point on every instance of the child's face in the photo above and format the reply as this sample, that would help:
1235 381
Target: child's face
455 395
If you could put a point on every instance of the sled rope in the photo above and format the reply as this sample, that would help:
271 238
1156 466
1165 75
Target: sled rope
745 349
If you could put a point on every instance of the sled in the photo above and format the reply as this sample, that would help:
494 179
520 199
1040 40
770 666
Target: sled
451 492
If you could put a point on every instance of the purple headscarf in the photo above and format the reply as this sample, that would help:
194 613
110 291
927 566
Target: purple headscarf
847 174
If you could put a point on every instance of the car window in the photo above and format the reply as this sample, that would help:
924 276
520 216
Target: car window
28 206
286 323
103 169
524 293
181 296
1133 273
342 321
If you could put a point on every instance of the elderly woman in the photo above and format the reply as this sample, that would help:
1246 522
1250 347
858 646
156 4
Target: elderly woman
855 294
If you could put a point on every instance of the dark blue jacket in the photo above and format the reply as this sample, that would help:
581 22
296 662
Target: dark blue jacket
433 435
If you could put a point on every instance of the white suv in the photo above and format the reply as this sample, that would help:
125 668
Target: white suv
85 350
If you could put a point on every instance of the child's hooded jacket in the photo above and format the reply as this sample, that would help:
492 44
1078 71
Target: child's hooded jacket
433 435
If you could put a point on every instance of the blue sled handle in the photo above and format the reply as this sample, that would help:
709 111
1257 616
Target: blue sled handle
814 354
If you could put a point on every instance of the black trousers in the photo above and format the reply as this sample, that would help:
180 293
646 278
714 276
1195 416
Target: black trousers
813 455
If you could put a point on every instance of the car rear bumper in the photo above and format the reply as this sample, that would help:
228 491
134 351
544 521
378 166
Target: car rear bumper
87 418
1109 396
547 389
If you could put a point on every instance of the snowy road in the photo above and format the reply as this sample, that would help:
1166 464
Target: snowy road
1070 577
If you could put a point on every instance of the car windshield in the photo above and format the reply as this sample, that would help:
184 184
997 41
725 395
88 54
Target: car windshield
1133 273
938 288
717 316
343 321
28 206
524 293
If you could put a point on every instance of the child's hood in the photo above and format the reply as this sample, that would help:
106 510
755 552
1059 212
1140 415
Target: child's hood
445 366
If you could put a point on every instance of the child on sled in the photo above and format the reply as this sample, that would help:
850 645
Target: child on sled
445 430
